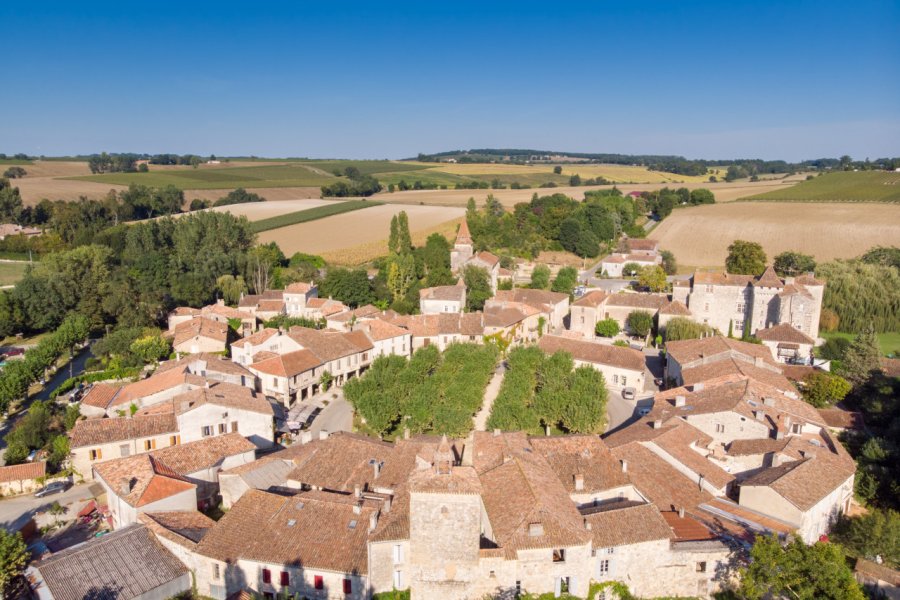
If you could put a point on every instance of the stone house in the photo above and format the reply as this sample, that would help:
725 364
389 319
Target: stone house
463 255
613 265
93 441
223 314
621 367
596 306
268 340
553 306
748 303
263 306
200 334
387 339
348 320
688 354
212 367
293 375
297 296
788 344
443 299
23 478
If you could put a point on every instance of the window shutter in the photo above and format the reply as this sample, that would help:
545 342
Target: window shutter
348 586
267 576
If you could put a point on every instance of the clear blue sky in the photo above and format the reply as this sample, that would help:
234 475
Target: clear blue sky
788 80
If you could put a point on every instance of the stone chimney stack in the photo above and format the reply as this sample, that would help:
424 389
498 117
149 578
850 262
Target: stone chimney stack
387 504
357 508
373 521
579 482
698 386
357 491
657 424
681 512
679 401
624 465
587 525
376 468
124 486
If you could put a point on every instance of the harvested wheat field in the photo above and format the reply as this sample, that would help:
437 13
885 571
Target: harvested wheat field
363 253
256 211
824 230
725 192
355 228
285 194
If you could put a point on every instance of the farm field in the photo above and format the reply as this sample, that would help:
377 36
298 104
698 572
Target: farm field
725 192
287 175
826 231
355 229
256 211
864 186
369 251
310 214
889 343
619 173
11 272
366 167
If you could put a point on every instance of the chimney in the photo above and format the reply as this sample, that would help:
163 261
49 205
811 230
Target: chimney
679 401
373 520
306 437
206 384
376 467
758 361
406 433
579 482
357 491
496 433
681 513
587 525
657 424
776 460
535 529
760 415
387 504
698 386
357 507
124 486
624 465
700 482
323 435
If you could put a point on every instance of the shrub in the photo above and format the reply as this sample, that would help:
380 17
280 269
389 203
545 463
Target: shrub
607 328
640 322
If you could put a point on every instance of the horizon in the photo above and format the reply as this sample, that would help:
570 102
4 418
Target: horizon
357 81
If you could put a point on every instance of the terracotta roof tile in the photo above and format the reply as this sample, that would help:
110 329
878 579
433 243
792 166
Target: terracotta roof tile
92 432
289 364
454 293
658 481
592 299
584 455
23 472
635 300
540 299
147 479
784 332
202 327
593 352
100 395
191 457
634 524
686 351
675 308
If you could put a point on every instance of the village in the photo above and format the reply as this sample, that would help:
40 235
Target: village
238 467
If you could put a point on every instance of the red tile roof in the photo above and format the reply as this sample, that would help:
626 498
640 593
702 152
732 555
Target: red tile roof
594 352
23 472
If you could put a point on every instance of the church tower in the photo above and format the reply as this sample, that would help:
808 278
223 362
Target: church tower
463 249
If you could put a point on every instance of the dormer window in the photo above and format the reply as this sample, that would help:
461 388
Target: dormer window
559 555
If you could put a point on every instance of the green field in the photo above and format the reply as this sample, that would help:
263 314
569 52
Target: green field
288 175
11 272
310 214
888 342
14 161
863 186
366 167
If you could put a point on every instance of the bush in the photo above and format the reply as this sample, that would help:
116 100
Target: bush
607 328
640 322
681 328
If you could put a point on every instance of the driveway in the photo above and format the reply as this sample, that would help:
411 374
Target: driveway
16 510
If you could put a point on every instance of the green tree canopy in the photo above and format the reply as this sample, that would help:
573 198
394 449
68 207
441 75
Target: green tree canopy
862 358
681 328
540 277
640 322
745 258
566 280
822 389
653 277
607 328
13 558
478 287
791 264
876 533
669 264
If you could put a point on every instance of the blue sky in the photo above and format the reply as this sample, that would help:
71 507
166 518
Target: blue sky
789 80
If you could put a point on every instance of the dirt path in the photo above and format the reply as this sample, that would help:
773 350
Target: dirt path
490 394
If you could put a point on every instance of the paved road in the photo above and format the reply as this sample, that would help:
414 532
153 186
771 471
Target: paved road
15 511
490 394
337 416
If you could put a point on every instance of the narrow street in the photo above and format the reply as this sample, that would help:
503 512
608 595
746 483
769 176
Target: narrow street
15 511
490 394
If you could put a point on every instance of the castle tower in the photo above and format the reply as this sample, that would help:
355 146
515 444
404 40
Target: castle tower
463 249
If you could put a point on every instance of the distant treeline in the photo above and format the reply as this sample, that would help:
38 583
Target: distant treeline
669 164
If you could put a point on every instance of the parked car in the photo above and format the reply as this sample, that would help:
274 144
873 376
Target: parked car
628 393
55 487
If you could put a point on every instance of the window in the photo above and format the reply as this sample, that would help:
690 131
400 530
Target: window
398 554
398 579
223 428
267 576
706 307
603 567
206 430
559 555
149 445
216 571
285 579
738 326
96 454
582 319
709 289
318 583
615 378
624 380
124 450
701 567
720 428
174 440
348 586
365 356
234 426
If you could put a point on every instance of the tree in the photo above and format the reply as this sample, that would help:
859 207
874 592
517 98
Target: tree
822 389
669 265
13 558
557 170
798 571
232 288
630 269
151 348
790 264
654 278
566 280
862 358
394 237
680 328
702 196
261 263
607 328
540 277
404 239
401 275
10 202
350 287
238 196
14 173
478 287
745 258
876 533
640 322
829 321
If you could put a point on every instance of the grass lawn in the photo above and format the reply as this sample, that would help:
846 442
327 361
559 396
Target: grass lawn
11 272
889 342
863 186
288 175
310 214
